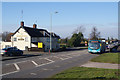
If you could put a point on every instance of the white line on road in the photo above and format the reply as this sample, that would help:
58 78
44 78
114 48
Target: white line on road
34 63
17 62
44 64
58 57
49 60
16 66
9 73
68 56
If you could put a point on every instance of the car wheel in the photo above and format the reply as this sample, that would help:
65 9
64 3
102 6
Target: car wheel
21 53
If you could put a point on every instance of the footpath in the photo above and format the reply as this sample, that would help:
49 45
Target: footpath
101 65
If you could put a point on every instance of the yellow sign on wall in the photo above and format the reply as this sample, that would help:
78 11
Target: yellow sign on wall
40 45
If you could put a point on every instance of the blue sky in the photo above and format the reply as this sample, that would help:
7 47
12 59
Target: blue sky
103 15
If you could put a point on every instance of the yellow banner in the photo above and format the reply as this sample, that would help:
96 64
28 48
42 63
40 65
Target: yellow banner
40 45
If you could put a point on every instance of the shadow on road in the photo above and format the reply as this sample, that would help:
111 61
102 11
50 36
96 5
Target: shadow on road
33 54
17 57
72 49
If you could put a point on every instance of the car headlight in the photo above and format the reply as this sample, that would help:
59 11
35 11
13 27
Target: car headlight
2 53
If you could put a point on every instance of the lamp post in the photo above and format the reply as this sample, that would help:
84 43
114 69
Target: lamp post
51 30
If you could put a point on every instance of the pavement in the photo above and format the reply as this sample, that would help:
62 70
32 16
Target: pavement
101 65
44 66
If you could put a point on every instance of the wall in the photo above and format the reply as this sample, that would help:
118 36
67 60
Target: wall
4 44
22 39
46 42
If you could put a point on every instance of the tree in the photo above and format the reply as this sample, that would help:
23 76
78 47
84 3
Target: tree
76 39
94 35
4 35
79 29
64 40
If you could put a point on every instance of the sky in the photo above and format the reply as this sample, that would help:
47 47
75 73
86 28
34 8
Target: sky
103 15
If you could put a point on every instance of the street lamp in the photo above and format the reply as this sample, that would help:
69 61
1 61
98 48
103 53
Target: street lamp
51 30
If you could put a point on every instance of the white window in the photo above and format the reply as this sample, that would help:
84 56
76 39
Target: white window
15 39
26 39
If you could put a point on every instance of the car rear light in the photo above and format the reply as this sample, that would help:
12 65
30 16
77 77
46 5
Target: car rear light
5 51
2 51
97 48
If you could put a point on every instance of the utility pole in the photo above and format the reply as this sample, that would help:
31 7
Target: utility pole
51 31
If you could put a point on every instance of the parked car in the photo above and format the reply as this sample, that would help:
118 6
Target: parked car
11 51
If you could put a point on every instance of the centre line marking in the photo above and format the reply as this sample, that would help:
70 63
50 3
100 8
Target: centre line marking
49 60
34 63
16 66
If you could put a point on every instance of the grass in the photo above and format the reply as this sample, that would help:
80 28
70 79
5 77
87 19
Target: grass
88 73
85 47
107 58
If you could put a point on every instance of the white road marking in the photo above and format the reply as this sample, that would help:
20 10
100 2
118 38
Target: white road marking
33 73
7 64
49 60
44 64
9 73
16 66
68 56
58 57
47 69
34 63
18 62
57 66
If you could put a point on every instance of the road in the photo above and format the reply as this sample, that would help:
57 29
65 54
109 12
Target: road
44 66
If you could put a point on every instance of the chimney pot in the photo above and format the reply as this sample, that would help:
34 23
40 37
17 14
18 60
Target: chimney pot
34 26
22 23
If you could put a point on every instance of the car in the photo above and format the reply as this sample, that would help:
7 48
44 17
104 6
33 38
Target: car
11 51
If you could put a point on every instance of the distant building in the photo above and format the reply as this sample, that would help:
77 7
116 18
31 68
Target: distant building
27 38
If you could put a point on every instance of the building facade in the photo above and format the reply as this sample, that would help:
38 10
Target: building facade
27 38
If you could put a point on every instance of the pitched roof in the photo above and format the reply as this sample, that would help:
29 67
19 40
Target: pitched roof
34 32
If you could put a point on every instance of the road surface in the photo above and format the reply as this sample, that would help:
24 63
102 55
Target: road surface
44 66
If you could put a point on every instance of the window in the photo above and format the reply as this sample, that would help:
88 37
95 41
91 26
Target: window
15 39
6 46
48 39
26 39
15 48
34 39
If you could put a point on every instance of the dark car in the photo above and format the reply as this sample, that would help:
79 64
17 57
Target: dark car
11 51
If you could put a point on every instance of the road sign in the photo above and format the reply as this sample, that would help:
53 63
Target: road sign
40 45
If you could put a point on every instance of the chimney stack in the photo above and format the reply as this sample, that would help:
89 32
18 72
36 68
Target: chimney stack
22 23
34 26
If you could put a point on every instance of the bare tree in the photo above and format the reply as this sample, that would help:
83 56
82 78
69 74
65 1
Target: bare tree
4 35
94 34
79 29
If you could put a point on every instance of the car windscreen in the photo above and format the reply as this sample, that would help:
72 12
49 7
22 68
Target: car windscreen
94 45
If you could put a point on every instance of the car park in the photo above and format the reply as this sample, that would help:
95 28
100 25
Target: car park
11 51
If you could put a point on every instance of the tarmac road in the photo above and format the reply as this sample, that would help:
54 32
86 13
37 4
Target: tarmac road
44 66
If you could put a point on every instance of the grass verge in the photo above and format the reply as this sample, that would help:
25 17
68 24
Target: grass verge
107 58
80 73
